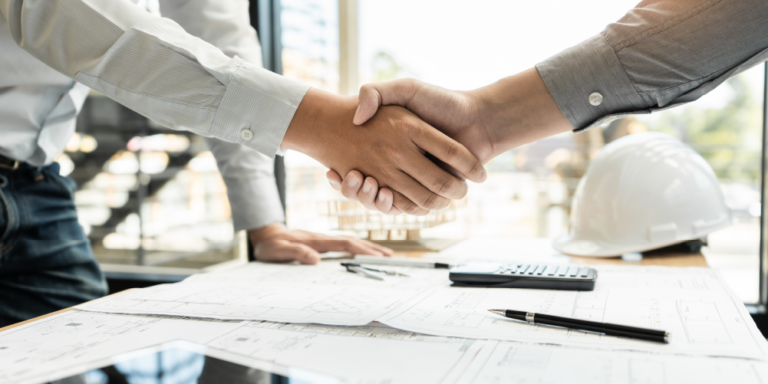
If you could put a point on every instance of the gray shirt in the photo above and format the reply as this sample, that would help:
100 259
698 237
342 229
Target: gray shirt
661 54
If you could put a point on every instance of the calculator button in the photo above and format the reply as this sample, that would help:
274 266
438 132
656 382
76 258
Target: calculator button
561 270
532 269
584 272
551 270
540 269
573 271
523 268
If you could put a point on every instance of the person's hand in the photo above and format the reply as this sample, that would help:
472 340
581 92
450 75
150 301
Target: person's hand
453 112
390 147
276 243
488 121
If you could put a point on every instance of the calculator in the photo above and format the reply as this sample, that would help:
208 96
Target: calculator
539 276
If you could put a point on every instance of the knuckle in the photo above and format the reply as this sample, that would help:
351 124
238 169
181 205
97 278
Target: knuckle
443 186
451 152
435 202
430 202
409 125
392 152
411 83
409 207
411 210
476 168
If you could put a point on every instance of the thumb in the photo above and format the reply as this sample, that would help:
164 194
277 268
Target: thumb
368 103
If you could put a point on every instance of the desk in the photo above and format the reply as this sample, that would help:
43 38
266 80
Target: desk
660 258
541 250
664 259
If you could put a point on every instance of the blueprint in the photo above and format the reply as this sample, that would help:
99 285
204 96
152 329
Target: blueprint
701 314
51 346
373 354
58 346
323 294
507 362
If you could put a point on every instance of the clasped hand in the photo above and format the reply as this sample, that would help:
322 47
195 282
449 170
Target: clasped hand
487 121
390 147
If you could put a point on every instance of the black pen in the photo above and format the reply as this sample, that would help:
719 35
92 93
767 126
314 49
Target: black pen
586 325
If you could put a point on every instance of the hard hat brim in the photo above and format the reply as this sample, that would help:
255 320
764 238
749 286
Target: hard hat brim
572 245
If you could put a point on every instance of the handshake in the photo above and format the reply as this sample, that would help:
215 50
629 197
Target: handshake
406 146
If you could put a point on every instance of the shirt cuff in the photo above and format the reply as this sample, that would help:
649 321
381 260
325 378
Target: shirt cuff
580 71
258 101
255 202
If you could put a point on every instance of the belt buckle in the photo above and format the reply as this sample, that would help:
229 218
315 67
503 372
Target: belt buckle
13 167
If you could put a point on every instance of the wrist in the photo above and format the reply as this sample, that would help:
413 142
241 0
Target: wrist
519 110
316 119
259 234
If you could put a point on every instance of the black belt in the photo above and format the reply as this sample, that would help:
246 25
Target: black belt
6 163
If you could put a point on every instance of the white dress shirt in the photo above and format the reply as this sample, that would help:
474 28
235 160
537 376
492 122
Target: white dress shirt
155 67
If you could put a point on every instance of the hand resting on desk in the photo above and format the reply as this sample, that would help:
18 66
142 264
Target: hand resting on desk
277 243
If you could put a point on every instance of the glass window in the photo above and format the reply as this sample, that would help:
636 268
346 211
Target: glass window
310 55
465 45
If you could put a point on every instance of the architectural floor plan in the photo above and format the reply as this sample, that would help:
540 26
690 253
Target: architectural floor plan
693 305
324 294
507 362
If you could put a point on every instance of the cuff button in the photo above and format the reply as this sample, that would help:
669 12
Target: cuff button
595 98
246 135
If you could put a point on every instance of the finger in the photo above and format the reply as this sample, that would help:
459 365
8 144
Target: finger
369 102
417 193
367 194
384 250
405 205
334 179
352 185
360 247
384 201
284 250
435 178
372 96
450 152
355 246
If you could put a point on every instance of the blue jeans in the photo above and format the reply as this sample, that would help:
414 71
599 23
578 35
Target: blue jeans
46 261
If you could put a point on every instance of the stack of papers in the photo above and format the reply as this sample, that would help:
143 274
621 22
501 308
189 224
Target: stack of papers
321 318
322 294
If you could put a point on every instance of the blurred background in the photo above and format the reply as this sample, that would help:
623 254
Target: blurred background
150 197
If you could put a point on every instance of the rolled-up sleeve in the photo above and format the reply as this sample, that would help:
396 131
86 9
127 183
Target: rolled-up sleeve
661 54
151 65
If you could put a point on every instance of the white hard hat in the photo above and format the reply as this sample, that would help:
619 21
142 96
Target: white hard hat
642 192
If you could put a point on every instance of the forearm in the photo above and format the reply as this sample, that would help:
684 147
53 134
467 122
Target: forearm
518 110
154 67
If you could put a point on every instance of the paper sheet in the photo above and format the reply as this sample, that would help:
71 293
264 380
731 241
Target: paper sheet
506 362
57 346
693 304
323 294
370 354
32 352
